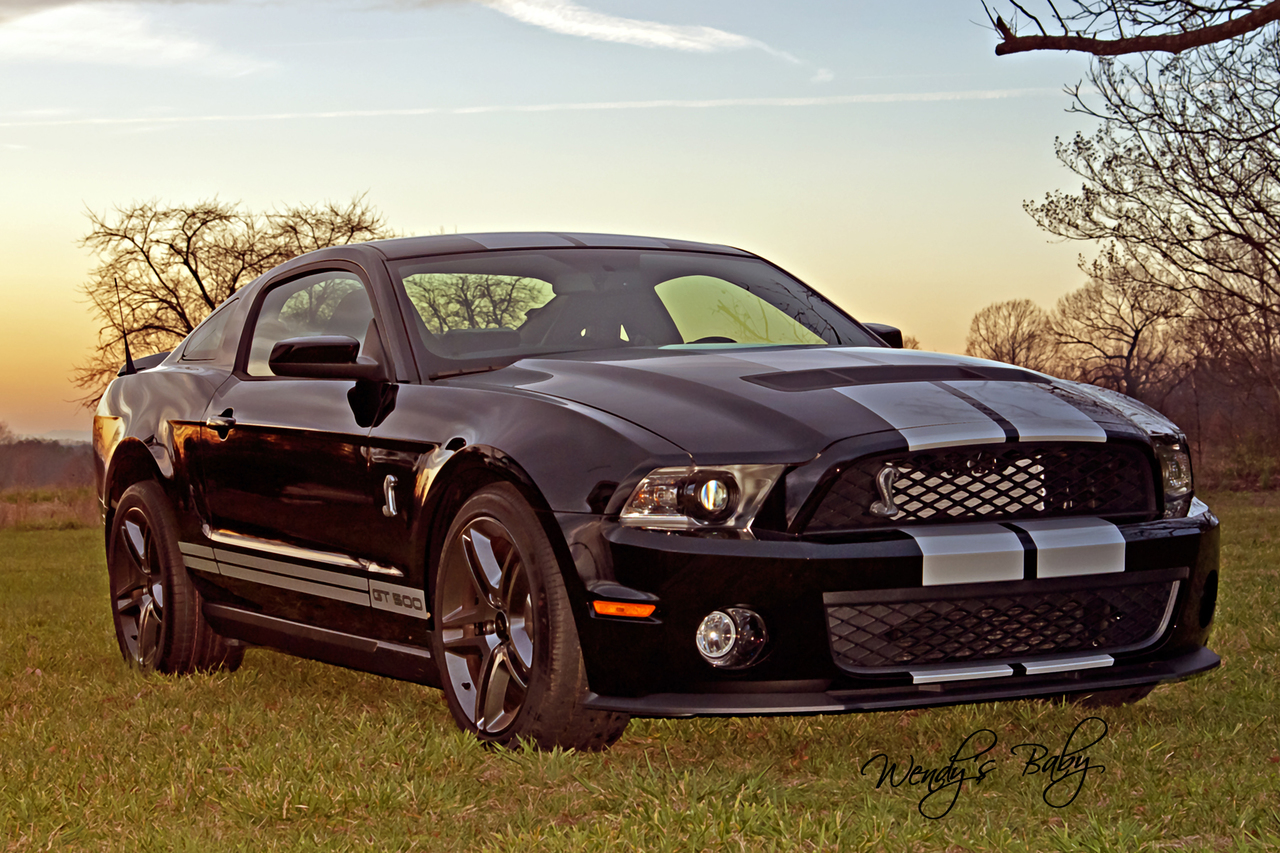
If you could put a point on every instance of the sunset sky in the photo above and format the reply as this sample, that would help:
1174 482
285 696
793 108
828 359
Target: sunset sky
879 151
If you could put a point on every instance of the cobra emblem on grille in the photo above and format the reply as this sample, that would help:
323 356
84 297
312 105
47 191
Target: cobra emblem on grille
885 480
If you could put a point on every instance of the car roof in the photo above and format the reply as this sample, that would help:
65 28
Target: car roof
449 244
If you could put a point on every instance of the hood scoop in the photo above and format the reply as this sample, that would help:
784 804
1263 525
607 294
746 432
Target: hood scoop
879 374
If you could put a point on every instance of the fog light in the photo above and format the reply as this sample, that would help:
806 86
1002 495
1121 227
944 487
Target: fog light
731 638
717 635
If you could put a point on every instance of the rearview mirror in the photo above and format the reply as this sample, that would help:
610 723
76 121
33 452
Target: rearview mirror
323 357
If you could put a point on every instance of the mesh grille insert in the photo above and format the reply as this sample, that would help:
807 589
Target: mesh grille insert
992 482
1015 625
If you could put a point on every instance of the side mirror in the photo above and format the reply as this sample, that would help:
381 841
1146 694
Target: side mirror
889 334
323 357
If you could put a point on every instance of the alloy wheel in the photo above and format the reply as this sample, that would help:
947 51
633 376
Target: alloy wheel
138 589
487 624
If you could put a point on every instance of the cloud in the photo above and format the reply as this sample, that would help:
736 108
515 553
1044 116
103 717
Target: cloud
109 34
559 16
568 18
18 8
588 106
562 16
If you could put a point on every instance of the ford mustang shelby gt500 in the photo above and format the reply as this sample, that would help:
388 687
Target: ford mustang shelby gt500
570 478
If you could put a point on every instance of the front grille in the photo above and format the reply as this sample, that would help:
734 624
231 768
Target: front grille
879 631
992 482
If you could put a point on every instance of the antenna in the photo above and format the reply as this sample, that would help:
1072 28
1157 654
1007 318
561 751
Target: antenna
124 334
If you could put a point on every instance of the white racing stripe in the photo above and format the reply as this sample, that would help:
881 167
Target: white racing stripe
933 676
1068 664
982 552
370 592
926 415
291 569
191 550
321 590
1033 411
201 565
1066 547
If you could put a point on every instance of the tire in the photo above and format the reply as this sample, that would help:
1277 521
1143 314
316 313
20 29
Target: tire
510 663
157 611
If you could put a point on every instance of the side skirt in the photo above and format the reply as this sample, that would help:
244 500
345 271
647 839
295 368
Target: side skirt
407 663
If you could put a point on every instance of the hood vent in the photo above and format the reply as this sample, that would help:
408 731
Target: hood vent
879 374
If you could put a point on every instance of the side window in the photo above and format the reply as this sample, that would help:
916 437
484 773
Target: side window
328 303
206 340
711 310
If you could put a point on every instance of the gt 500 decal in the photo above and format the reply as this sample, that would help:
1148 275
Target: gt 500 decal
339 586
404 600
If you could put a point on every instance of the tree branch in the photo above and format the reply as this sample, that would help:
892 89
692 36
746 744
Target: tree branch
1165 43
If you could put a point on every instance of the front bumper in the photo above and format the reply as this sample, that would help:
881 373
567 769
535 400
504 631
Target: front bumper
887 699
651 667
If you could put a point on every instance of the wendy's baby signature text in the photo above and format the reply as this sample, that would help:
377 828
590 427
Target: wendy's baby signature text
1061 773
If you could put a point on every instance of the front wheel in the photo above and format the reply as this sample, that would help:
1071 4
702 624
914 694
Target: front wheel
156 610
505 637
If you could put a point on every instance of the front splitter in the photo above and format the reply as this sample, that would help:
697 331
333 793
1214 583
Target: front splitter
899 697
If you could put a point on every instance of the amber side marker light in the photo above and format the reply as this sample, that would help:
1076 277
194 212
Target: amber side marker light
624 608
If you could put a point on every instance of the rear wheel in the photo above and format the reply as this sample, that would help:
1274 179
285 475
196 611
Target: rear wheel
511 665
156 610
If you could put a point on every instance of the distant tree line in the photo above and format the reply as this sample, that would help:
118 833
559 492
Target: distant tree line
1207 361
34 463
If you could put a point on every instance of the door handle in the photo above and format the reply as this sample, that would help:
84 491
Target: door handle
389 494
221 424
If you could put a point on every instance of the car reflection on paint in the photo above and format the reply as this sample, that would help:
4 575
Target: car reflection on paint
570 478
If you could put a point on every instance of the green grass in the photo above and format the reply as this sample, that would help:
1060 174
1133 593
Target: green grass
292 755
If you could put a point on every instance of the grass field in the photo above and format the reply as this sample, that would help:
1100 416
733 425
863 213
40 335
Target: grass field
292 755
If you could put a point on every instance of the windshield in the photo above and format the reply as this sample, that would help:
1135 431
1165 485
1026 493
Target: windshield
526 303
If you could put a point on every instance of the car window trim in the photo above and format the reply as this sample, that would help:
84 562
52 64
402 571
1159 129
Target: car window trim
226 307
240 369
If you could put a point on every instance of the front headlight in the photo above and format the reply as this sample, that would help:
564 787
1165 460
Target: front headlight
1175 468
724 496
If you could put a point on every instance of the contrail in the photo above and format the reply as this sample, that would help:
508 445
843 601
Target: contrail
713 103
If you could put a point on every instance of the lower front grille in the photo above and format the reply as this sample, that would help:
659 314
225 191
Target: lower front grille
880 631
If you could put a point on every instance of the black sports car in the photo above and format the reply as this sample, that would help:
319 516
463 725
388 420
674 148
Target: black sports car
570 478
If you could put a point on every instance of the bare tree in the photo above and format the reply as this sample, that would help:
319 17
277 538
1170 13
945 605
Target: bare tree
1116 27
449 301
1122 331
1182 185
173 265
1015 332
1238 348
6 434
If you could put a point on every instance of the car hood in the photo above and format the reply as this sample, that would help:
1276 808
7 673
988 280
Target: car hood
786 405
